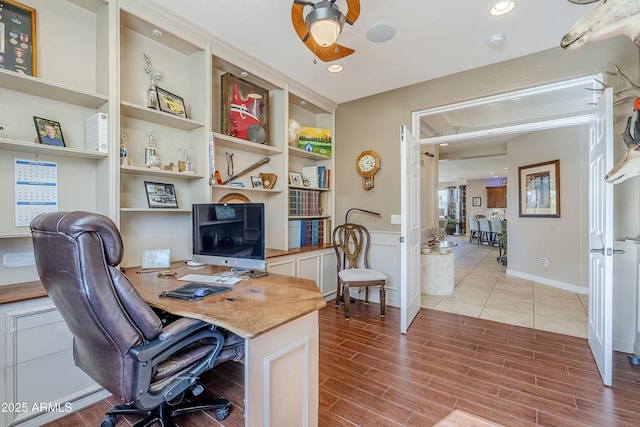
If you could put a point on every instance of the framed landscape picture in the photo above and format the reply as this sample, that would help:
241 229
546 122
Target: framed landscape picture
539 189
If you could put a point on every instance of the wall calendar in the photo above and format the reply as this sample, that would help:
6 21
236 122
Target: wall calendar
36 187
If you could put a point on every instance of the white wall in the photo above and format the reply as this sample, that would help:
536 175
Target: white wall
563 241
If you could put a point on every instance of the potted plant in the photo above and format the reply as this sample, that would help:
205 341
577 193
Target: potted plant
451 226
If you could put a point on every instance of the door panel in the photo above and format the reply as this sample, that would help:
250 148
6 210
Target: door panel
410 291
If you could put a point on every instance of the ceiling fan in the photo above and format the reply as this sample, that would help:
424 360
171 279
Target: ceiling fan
322 26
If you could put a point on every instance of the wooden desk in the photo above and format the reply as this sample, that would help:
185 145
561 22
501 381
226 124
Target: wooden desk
278 317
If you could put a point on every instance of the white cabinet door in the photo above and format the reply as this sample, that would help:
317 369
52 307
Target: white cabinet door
329 278
286 267
308 267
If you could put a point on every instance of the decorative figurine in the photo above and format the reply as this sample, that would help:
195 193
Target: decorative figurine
124 154
150 157
151 95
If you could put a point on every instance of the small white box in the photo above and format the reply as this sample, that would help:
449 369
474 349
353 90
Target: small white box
98 133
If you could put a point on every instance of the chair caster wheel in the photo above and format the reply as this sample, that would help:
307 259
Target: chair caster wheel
109 421
222 413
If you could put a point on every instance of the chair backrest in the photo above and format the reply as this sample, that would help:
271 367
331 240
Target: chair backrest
76 257
496 225
473 224
351 241
484 224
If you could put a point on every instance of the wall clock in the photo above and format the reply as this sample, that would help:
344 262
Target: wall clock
367 164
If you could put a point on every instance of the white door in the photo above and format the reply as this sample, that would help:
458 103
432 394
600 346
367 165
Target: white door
601 236
410 294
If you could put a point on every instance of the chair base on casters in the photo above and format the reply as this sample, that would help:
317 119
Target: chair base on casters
163 415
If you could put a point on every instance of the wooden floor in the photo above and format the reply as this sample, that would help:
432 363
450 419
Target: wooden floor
371 375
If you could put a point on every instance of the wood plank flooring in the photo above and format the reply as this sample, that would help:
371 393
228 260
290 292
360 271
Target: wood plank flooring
371 375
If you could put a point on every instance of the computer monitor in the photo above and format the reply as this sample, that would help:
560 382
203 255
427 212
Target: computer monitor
230 235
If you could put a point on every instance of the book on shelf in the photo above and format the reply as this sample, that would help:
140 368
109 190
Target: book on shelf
309 232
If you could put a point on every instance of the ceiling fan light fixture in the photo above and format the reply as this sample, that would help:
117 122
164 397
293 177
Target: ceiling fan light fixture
325 23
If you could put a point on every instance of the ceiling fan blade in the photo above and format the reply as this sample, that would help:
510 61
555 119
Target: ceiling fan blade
325 54
298 21
353 11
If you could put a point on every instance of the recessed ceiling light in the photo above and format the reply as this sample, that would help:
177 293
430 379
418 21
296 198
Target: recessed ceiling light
335 68
444 144
156 32
244 74
381 32
502 7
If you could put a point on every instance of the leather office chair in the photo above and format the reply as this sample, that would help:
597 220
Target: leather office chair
118 340
351 242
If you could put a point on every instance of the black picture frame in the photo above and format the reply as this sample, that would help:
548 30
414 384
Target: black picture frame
161 195
171 103
256 182
539 190
476 201
253 100
49 132
18 38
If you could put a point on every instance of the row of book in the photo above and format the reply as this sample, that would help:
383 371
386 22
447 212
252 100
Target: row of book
309 232
306 202
316 176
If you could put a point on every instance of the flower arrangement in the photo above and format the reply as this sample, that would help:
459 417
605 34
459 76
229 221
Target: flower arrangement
434 233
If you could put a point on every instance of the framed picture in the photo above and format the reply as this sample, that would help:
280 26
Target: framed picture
49 132
17 37
476 201
170 103
256 182
295 178
539 189
160 195
244 109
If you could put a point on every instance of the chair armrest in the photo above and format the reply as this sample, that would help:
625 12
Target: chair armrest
179 326
146 357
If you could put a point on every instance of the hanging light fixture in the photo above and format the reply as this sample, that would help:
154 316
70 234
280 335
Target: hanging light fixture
325 23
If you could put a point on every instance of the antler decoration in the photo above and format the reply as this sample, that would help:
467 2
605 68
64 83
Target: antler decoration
329 53
630 90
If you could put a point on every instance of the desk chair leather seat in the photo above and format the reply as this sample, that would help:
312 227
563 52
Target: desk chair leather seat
118 340
351 243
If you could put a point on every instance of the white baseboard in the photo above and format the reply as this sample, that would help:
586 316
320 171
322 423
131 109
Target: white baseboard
549 282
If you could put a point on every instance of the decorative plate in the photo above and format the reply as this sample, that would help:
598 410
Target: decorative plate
234 198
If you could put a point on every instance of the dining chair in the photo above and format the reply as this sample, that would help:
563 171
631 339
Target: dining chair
351 243
485 231
474 230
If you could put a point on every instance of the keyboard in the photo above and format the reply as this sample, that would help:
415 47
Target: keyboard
226 278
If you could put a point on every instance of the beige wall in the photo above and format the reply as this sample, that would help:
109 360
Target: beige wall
373 123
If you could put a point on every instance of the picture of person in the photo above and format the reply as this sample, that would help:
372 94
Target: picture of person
49 132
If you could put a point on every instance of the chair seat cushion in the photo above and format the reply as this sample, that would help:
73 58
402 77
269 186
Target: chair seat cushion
360 275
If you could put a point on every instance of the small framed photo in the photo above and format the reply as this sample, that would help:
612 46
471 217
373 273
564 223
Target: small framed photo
49 132
539 190
295 178
160 195
170 103
476 201
256 182
18 31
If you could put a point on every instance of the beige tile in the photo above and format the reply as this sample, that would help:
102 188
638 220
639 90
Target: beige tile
458 307
519 318
575 328
482 289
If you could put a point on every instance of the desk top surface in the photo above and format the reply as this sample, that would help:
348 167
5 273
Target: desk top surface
254 306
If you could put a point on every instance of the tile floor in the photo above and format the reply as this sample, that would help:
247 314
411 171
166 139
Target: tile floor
483 290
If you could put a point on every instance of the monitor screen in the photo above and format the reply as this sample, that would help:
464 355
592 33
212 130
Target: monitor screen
230 235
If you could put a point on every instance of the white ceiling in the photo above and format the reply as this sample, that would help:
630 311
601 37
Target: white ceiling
433 39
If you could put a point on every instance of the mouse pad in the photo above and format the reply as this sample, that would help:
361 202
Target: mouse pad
186 292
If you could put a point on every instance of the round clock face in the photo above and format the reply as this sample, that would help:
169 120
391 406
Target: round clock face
367 163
